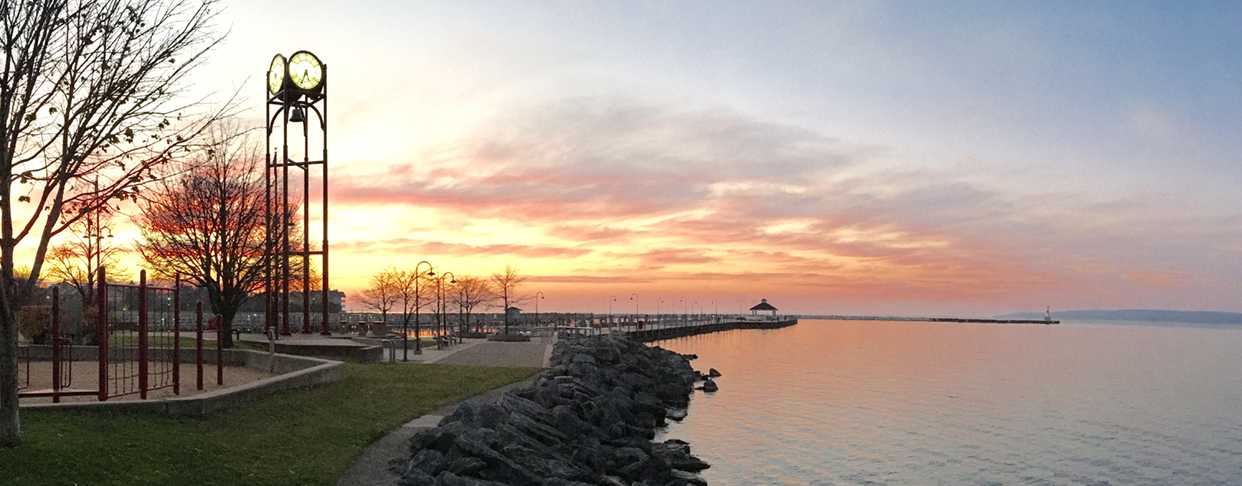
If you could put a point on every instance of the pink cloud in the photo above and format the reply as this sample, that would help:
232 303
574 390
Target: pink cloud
605 180
408 246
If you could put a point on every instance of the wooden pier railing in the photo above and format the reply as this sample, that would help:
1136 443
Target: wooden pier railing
661 333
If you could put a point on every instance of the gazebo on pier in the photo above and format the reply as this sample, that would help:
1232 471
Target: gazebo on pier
763 309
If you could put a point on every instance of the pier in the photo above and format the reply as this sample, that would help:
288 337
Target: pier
649 328
661 333
933 319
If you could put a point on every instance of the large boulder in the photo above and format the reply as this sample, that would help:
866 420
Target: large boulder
589 419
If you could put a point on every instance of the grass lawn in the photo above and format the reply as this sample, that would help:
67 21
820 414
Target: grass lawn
130 339
292 438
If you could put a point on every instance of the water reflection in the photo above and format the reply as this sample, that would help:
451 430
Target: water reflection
850 402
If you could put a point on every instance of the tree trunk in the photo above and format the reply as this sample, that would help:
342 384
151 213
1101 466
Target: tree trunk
227 325
10 425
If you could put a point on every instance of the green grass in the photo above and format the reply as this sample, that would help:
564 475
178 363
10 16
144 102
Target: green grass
130 339
293 438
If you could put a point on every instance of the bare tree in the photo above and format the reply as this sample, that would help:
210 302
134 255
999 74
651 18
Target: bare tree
505 284
85 247
88 90
206 223
384 292
471 292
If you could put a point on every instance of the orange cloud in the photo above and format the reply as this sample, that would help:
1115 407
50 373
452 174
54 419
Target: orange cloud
595 199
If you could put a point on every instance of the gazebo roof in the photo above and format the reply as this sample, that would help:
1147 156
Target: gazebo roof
763 306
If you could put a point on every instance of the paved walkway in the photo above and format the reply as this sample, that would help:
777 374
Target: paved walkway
371 467
498 354
480 352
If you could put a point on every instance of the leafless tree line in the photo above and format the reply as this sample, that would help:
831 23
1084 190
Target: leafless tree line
408 291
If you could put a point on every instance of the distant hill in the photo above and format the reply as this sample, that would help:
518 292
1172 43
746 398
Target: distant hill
1145 315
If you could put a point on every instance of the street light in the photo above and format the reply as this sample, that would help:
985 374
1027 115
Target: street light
611 299
658 302
538 297
685 312
634 297
418 305
441 322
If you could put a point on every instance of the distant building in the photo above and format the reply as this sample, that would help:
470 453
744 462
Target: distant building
763 309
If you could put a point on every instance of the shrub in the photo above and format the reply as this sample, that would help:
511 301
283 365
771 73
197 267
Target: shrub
35 322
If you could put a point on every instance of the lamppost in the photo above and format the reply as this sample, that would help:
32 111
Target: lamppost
538 297
461 316
611 299
441 322
658 302
634 297
715 310
418 305
685 312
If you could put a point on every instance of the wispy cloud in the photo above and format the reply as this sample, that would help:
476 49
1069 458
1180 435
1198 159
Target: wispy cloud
686 195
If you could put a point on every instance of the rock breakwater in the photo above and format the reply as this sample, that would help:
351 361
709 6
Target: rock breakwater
588 420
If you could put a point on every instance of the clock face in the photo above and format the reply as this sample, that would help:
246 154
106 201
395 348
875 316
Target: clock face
305 70
276 74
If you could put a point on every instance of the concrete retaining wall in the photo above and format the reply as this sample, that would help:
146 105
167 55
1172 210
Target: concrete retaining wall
294 372
364 354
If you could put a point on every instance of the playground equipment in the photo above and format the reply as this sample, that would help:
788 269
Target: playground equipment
137 349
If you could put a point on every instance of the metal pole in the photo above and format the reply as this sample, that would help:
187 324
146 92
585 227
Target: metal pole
219 350
306 327
418 304
198 341
324 255
439 280
634 297
142 334
538 297
611 299
56 345
177 334
268 309
444 303
102 302
284 224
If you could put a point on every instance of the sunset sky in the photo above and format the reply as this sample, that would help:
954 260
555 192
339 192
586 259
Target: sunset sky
833 157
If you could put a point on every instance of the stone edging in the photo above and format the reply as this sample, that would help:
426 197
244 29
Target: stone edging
297 372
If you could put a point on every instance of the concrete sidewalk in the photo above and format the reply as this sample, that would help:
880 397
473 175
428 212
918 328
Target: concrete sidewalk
371 467
487 353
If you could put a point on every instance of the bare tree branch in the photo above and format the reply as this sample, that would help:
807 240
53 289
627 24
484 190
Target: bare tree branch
90 90
207 224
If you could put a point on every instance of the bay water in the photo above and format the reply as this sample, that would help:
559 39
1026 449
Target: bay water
914 403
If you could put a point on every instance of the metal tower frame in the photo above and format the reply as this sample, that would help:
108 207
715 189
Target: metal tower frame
287 103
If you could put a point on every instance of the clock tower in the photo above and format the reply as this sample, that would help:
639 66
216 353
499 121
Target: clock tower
297 101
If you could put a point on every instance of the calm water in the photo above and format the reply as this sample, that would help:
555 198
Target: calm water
857 402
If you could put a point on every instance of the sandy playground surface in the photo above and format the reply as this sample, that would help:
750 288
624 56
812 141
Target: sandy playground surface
85 376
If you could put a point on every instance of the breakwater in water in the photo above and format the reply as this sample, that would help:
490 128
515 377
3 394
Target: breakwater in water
658 334
589 420
974 320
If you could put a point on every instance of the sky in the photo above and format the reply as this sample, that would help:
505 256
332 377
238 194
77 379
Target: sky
893 158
